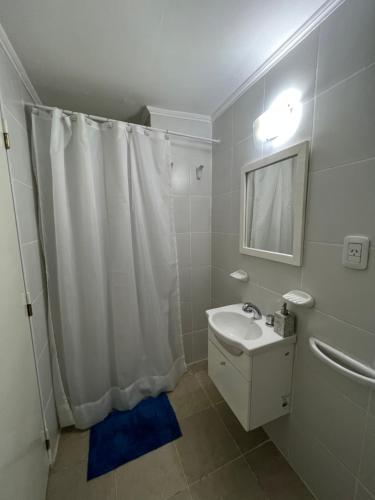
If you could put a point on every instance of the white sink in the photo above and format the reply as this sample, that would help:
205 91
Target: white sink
238 332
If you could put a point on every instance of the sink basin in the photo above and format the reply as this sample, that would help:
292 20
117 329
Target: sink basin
238 332
231 327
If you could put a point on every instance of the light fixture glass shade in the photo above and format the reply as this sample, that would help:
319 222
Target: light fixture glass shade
281 120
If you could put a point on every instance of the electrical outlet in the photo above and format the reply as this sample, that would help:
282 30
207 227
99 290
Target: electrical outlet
355 252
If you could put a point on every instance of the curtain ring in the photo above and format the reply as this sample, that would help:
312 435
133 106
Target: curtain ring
166 135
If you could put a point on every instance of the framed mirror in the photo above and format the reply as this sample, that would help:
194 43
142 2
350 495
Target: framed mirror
273 198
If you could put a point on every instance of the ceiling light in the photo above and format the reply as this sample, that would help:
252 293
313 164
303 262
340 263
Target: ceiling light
281 120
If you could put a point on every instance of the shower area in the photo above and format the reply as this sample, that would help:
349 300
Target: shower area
109 199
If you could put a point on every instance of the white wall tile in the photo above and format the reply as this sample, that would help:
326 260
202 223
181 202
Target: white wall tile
12 90
347 42
201 296
32 263
328 478
345 293
247 109
200 345
180 174
39 325
235 212
341 201
187 339
267 300
19 153
246 151
268 274
278 431
363 494
201 249
52 425
25 212
224 288
345 337
185 284
296 70
344 126
183 250
201 154
223 161
225 251
367 474
186 317
200 214
181 214
316 403
223 129
44 376
221 213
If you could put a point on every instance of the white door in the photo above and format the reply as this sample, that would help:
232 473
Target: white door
23 457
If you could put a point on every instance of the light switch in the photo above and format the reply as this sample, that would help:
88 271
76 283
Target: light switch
355 252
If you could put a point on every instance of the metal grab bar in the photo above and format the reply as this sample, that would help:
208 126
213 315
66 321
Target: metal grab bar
342 363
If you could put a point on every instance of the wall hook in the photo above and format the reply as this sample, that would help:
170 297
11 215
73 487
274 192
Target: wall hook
198 172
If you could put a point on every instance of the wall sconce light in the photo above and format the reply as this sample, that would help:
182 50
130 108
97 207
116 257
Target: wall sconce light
281 120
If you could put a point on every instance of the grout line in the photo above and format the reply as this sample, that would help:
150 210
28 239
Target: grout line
7 108
23 184
346 79
242 454
183 470
342 165
363 440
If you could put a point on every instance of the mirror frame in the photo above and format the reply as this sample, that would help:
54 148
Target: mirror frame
301 152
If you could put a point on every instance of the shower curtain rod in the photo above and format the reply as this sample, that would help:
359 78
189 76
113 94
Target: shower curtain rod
102 119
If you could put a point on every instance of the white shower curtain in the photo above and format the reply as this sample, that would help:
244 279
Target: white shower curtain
108 238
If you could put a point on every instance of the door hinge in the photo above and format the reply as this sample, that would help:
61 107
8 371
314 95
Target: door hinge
47 444
29 308
6 140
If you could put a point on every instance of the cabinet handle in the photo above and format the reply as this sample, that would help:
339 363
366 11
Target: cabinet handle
223 363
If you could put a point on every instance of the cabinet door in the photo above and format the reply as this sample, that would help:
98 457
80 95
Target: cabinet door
271 385
231 384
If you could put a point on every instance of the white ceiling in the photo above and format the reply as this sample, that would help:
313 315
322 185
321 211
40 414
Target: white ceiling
110 57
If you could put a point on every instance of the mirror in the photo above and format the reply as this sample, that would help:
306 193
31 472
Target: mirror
273 193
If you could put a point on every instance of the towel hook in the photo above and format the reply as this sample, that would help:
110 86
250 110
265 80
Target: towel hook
198 172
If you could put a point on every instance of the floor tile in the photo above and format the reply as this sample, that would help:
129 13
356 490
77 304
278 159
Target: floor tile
73 448
188 397
155 476
234 481
182 495
199 366
71 484
205 444
209 387
245 440
275 475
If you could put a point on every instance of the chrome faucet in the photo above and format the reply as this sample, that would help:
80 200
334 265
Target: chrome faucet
248 307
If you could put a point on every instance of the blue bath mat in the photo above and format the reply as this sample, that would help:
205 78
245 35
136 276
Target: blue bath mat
126 435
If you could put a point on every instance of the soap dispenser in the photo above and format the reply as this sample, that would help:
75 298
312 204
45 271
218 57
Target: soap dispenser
284 322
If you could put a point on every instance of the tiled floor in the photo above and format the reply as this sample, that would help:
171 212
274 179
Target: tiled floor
214 460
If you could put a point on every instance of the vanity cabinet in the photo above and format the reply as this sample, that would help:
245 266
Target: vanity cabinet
255 385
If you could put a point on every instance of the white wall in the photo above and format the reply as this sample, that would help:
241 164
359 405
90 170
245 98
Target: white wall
192 205
330 436
14 96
